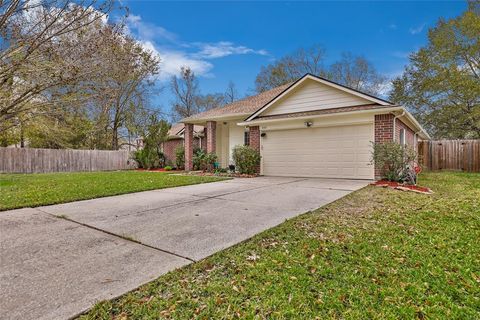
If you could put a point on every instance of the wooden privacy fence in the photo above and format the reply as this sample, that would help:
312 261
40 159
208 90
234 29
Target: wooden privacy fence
30 160
450 155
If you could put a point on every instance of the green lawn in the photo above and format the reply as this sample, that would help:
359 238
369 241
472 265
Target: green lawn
29 190
375 254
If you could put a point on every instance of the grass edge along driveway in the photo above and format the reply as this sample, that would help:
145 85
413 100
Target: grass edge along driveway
374 254
32 190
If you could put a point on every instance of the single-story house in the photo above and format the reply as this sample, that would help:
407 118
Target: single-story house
310 128
176 138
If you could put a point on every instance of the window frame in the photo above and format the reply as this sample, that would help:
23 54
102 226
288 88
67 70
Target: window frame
402 137
246 138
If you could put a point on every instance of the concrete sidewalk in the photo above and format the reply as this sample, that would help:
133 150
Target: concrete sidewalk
57 261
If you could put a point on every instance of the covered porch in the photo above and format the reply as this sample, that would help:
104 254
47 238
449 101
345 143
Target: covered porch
221 136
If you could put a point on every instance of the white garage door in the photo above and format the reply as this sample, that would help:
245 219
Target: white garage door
331 152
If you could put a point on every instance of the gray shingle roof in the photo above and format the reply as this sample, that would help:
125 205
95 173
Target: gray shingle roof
244 106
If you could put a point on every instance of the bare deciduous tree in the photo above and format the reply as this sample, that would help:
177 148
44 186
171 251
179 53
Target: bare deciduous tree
231 94
185 90
358 73
291 67
209 101
352 71
123 86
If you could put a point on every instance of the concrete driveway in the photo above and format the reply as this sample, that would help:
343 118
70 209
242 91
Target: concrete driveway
57 261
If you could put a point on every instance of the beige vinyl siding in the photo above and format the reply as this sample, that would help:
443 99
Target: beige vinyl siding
312 95
236 137
330 152
222 144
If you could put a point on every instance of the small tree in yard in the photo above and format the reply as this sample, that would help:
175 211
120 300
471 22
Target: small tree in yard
151 156
246 159
393 159
180 157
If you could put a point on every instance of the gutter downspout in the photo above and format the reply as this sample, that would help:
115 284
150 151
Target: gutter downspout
415 137
394 133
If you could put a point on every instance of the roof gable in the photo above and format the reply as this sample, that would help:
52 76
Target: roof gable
311 93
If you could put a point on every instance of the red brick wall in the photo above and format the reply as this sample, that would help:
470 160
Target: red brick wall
188 147
254 140
210 130
254 137
169 148
384 133
383 127
409 134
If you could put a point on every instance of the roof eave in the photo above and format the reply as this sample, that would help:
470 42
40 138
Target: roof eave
380 110
225 117
422 133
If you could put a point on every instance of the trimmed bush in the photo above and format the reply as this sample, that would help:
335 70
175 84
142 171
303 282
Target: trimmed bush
246 159
168 168
396 161
180 157
149 158
203 161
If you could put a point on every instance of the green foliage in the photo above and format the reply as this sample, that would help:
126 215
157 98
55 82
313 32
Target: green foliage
221 170
151 156
86 89
394 159
441 85
246 159
180 157
203 161
374 254
167 168
31 190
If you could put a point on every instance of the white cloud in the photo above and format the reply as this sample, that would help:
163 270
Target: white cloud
148 31
175 54
172 61
418 29
223 49
392 26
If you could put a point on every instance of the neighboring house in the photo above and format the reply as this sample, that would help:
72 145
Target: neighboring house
310 128
176 139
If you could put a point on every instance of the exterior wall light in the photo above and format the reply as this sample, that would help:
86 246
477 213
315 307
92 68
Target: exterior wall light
308 124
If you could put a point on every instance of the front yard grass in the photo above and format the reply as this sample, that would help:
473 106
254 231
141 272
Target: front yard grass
375 254
30 190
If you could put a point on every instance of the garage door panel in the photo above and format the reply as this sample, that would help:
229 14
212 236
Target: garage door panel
336 152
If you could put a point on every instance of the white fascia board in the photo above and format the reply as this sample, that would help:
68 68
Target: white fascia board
372 111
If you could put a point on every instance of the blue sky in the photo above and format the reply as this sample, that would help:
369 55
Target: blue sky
225 41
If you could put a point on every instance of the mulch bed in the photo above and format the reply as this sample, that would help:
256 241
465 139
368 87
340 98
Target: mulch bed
228 175
157 170
403 187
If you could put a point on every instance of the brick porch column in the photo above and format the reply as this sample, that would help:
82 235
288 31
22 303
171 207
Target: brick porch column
254 140
211 132
255 137
188 146
383 133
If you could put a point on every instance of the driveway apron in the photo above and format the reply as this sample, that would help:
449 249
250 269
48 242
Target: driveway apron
57 261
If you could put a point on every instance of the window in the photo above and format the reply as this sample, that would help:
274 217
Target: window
402 137
246 138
